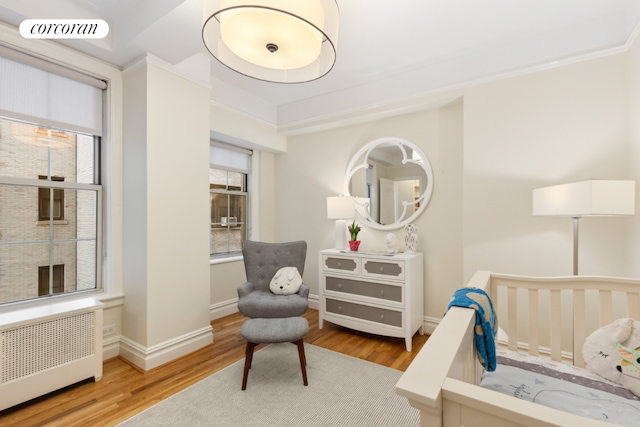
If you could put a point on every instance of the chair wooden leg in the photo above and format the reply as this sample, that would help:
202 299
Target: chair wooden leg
303 361
248 359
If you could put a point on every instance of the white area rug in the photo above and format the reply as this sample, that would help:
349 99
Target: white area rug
342 391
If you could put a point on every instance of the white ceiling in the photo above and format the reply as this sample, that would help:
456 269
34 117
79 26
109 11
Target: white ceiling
387 50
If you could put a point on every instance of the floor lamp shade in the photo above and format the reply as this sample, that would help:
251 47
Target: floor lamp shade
585 198
340 208
595 197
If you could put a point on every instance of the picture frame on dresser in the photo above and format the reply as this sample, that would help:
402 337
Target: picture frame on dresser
372 292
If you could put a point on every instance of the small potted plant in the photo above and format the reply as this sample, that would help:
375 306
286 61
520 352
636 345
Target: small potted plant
354 229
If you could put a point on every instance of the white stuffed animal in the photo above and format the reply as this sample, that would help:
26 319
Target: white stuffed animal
613 352
392 243
286 281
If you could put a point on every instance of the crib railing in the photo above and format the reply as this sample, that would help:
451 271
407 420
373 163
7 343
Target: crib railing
553 316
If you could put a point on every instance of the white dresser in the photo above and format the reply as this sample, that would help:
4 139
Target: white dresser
372 293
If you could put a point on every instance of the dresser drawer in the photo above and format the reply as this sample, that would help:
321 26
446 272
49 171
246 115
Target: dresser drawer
341 264
364 288
393 270
365 312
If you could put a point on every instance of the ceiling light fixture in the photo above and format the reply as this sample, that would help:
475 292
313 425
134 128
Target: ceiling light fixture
282 41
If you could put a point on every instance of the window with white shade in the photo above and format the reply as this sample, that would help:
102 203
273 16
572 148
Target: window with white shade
228 194
51 123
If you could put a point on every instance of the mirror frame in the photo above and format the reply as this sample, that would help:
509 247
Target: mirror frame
362 207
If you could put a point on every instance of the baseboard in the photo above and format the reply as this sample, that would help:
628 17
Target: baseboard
430 324
148 358
314 301
222 309
110 348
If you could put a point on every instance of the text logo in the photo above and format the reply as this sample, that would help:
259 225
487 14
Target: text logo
64 29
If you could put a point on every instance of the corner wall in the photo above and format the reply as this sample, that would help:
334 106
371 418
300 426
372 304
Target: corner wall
166 248
489 152
233 127
314 166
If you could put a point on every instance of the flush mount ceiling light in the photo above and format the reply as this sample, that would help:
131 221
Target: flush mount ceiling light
282 41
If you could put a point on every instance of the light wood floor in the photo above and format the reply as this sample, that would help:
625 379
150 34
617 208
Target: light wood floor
125 390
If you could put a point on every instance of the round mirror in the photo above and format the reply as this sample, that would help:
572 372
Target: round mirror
392 181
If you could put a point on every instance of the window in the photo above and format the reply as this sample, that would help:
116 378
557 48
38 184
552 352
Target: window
48 197
228 193
42 227
55 285
50 192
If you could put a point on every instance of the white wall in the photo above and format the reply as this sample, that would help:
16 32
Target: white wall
166 247
234 127
633 75
551 127
243 130
314 166
489 152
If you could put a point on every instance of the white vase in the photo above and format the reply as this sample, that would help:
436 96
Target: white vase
411 238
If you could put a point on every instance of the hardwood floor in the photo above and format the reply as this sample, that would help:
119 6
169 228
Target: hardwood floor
125 390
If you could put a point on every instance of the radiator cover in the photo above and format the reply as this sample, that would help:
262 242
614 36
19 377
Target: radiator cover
46 348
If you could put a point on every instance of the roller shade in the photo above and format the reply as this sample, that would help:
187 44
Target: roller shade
47 94
228 157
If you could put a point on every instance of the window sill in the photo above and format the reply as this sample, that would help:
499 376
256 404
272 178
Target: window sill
109 300
225 259
55 222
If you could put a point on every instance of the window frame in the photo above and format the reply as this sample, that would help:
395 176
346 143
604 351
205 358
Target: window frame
110 169
58 185
245 224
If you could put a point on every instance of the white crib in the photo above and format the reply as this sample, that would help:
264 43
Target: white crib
546 317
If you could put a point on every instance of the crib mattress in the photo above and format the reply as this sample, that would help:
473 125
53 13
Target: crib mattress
563 387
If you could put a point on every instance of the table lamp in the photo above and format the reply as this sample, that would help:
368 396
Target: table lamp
340 208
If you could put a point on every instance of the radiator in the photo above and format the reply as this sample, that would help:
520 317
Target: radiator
43 349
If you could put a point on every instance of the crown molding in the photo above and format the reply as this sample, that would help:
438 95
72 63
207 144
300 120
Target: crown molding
429 99
150 59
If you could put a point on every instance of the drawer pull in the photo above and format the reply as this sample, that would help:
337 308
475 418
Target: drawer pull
382 317
381 269
382 293
339 285
339 264
340 308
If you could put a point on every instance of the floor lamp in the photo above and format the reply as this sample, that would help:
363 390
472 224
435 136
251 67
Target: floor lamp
594 197
341 208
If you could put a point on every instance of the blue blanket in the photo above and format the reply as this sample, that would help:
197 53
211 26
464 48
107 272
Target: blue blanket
486 323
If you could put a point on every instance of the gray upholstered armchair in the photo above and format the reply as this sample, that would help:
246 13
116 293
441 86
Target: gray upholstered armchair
261 262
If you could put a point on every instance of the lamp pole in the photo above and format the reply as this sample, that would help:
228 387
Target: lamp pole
576 221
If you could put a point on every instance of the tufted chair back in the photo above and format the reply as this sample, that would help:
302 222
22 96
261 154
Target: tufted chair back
263 260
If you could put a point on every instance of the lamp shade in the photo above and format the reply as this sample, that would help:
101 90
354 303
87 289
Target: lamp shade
340 207
585 198
283 41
